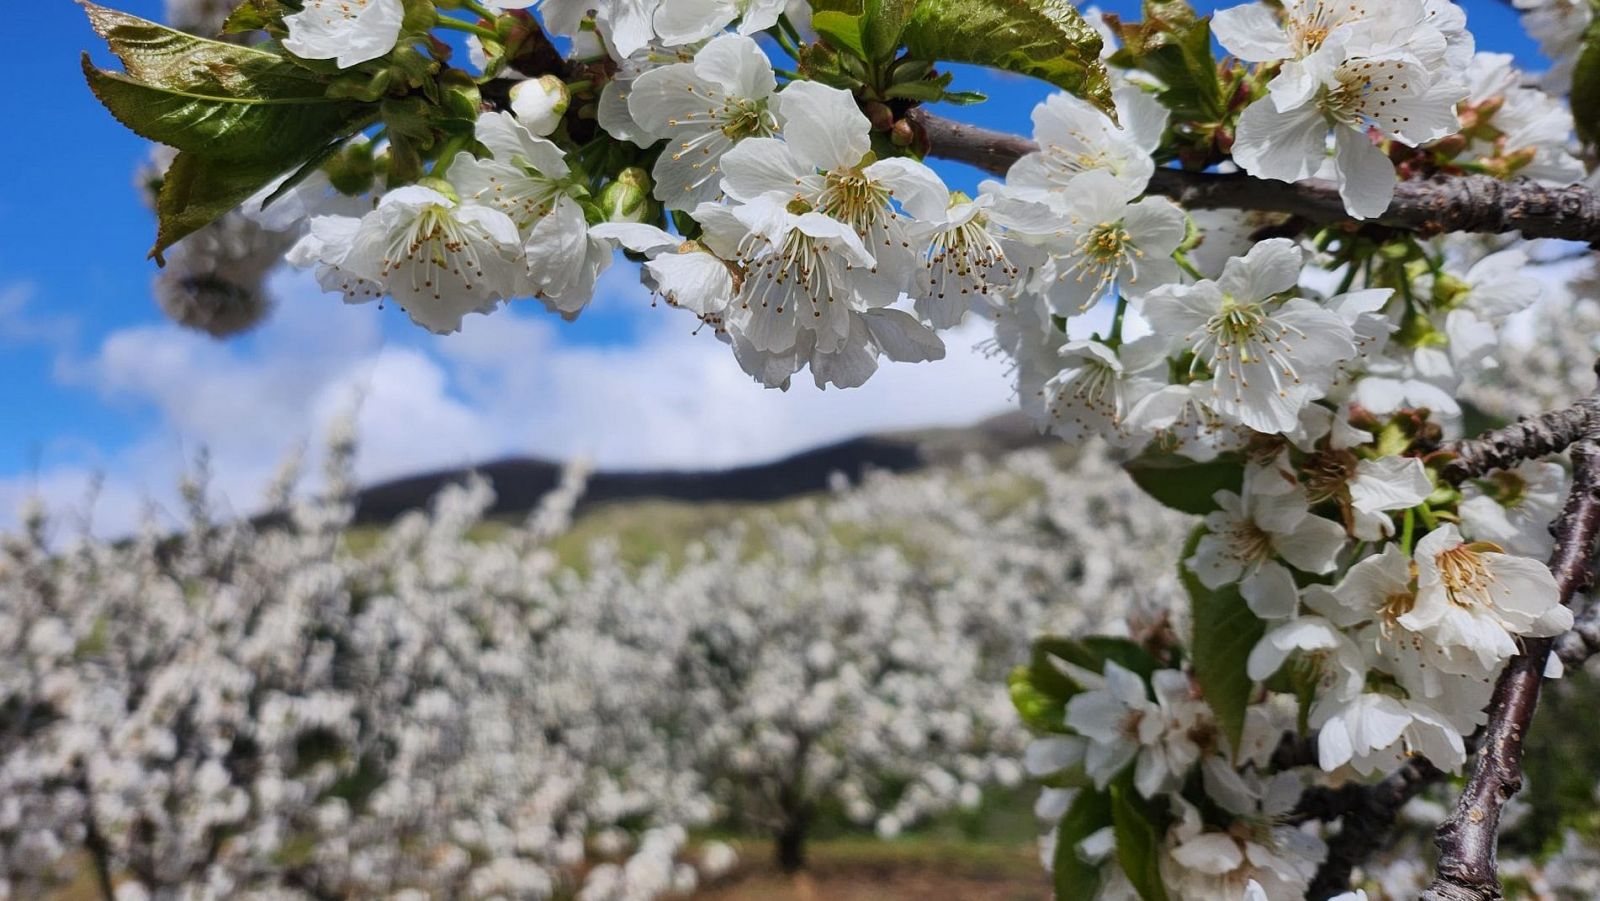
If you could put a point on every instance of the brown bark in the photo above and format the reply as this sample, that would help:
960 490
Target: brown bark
1467 869
1444 203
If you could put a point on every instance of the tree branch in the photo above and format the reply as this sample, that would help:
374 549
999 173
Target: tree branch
1467 840
1366 815
1443 203
1526 439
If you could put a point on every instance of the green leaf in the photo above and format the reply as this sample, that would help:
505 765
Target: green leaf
1174 45
197 190
1040 708
162 57
250 126
869 29
301 174
1074 878
1182 483
883 25
839 21
1040 690
1138 844
257 15
1091 653
1586 87
1224 633
1044 39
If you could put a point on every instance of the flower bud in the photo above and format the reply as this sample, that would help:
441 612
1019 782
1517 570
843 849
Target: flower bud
627 199
351 171
539 103
1450 147
879 114
1447 289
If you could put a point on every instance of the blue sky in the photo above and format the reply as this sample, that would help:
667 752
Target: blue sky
95 380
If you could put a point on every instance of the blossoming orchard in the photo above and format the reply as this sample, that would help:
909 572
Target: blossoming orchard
1262 274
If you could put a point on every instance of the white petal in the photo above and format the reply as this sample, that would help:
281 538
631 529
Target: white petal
1252 33
1270 591
1366 177
1287 146
823 126
1271 267
1389 483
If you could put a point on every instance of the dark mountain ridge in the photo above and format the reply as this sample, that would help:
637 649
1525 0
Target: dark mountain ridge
520 482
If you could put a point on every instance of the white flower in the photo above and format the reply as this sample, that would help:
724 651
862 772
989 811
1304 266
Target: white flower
1374 733
1096 390
808 293
1370 602
324 247
539 103
684 274
688 21
800 272
1283 136
702 108
627 25
894 334
1247 535
1514 508
963 265
349 32
1076 137
1523 127
1424 378
1559 26
1315 34
1266 358
1052 754
437 258
1383 485
1474 598
1111 243
1260 857
1123 725
612 109
1477 304
1184 424
823 163
1338 663
527 178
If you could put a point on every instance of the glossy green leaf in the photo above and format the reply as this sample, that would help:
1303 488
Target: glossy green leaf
1225 631
869 29
256 15
840 23
883 25
1174 45
1184 484
163 57
248 127
1044 39
1138 844
1075 879
198 190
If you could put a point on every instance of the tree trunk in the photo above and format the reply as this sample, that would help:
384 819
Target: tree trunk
792 842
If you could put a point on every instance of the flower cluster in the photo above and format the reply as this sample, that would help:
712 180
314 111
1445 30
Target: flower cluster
1389 72
1290 381
303 708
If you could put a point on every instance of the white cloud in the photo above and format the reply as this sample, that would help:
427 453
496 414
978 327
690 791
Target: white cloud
21 324
509 384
